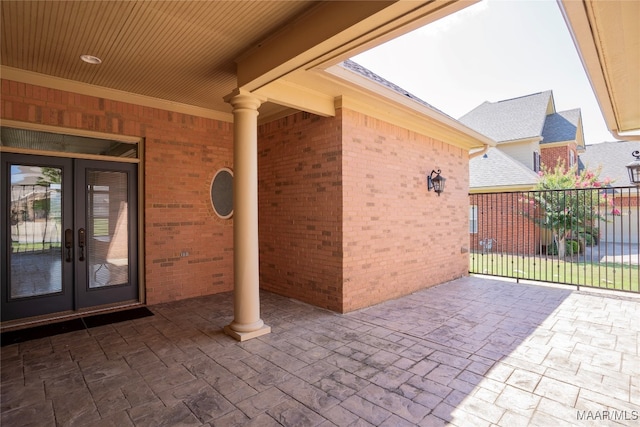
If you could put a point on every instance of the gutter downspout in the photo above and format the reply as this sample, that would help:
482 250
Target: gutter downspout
478 153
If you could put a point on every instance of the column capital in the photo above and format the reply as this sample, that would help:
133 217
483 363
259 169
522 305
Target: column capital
241 98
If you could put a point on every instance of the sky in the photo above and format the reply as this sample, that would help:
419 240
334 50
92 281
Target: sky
491 51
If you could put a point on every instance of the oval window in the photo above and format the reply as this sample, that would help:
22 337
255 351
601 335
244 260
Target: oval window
222 193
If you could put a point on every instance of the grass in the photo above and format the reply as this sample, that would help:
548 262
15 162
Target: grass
553 269
100 226
33 247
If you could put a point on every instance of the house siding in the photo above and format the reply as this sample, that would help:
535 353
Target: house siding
520 151
182 154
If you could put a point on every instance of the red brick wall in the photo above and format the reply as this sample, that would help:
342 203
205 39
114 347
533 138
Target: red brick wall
397 236
182 153
300 208
345 217
551 156
346 220
501 222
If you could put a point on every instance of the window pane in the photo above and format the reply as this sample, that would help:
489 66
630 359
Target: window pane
48 141
36 231
473 219
107 228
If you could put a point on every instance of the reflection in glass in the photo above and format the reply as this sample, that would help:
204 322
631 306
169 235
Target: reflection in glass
47 141
36 231
107 228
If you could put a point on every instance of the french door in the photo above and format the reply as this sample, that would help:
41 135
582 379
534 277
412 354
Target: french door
69 234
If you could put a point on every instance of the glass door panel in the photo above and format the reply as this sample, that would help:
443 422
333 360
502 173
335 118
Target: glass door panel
36 230
107 228
106 222
36 261
68 234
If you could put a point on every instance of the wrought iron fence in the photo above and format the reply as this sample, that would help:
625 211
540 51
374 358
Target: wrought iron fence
583 237
35 218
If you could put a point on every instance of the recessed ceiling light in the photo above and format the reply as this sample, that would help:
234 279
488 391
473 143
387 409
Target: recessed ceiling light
90 59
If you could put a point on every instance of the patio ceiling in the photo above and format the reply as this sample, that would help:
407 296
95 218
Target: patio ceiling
193 53
607 36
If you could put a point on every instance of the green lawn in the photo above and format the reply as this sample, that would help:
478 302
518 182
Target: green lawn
101 226
33 247
552 269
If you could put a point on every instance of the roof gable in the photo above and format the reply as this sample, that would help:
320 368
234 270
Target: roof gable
561 126
511 119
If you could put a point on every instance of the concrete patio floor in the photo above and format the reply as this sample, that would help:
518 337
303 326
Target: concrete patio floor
472 352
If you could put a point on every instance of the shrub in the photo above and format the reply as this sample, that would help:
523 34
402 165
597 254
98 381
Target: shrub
573 247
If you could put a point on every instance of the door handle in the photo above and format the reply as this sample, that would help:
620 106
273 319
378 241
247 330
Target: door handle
68 243
81 243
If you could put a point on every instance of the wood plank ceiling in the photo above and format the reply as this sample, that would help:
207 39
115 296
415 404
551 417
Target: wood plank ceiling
180 51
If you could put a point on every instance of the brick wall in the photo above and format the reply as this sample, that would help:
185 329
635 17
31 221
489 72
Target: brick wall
345 217
300 212
551 156
182 153
502 227
397 236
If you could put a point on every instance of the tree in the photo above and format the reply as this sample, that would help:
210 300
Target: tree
566 202
48 176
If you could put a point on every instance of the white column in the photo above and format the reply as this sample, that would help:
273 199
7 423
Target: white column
246 297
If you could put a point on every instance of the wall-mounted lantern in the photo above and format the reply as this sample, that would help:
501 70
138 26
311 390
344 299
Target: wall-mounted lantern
634 169
435 182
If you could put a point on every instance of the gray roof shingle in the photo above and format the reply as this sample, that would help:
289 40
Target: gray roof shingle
496 169
511 119
354 66
613 157
562 126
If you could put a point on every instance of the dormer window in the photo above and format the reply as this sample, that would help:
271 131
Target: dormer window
536 161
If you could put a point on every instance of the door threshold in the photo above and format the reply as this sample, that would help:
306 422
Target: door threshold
17 324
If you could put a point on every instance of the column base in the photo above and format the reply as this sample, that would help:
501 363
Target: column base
243 336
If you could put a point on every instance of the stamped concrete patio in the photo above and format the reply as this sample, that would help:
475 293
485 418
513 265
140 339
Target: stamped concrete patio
472 352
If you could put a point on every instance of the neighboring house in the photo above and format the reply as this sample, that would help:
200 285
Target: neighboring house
528 130
610 159
529 135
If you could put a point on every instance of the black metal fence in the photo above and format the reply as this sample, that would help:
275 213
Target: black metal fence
35 217
583 237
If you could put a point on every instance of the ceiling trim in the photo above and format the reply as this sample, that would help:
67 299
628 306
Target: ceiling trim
605 35
383 103
71 131
299 97
575 15
29 77
410 119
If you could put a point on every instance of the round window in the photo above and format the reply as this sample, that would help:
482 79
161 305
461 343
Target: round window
222 193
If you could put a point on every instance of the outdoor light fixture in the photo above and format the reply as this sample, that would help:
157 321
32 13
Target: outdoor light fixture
90 59
634 168
436 182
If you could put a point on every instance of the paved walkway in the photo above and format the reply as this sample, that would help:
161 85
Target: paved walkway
613 253
472 352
